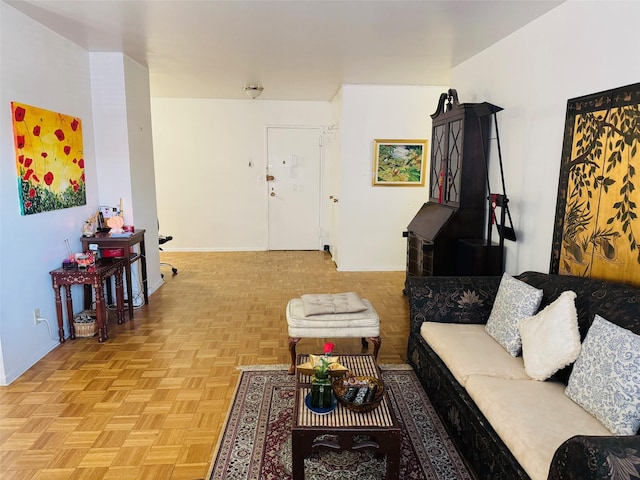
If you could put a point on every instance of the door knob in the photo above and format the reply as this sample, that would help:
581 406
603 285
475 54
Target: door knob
270 178
273 194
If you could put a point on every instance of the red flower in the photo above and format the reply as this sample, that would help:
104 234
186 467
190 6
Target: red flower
60 134
28 205
21 159
28 174
20 139
81 163
82 178
48 178
32 193
36 130
76 187
44 154
35 177
74 124
19 114
28 161
67 149
328 348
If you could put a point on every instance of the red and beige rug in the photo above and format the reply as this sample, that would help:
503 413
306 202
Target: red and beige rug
256 442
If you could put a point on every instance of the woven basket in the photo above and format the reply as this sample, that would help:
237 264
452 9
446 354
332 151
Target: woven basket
85 323
341 385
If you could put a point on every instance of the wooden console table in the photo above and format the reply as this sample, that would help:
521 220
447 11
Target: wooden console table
106 240
95 276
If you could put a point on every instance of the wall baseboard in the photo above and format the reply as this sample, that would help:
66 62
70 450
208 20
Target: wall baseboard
38 355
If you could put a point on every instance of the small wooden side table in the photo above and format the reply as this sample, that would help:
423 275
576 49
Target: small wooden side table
124 241
96 277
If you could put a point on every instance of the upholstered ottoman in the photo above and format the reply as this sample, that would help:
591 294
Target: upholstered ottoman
332 316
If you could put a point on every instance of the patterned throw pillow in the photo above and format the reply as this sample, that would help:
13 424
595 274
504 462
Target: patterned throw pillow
605 379
514 301
551 338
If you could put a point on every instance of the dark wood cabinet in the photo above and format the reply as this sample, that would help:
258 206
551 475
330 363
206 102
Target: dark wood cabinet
459 142
457 190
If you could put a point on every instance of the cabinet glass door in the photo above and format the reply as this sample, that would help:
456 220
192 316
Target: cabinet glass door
438 162
454 154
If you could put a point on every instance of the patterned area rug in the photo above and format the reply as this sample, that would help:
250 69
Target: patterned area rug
256 443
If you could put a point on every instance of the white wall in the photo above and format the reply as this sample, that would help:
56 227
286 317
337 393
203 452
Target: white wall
332 178
372 219
42 69
124 151
576 49
209 198
142 211
110 118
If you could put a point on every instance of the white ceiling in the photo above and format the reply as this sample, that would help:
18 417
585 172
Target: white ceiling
296 49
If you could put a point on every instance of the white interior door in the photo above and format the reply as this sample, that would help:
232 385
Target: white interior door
293 182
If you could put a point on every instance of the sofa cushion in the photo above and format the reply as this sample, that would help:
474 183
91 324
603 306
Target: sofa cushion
606 376
514 301
469 350
550 339
532 418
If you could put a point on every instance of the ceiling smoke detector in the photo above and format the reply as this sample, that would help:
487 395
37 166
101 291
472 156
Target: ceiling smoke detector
253 91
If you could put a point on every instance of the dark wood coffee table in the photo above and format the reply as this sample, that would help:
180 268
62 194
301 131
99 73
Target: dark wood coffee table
339 429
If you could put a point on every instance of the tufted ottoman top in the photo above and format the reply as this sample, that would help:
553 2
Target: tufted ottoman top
364 323
319 304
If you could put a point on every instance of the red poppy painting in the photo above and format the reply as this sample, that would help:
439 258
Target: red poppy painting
49 159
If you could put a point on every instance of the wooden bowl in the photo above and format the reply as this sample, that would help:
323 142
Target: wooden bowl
341 388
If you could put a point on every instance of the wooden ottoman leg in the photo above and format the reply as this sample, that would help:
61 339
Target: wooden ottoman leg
377 341
293 341
365 344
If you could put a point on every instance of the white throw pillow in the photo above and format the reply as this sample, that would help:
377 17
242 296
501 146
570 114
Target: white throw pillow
605 379
514 301
551 338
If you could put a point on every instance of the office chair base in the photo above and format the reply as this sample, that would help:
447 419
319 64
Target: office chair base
173 269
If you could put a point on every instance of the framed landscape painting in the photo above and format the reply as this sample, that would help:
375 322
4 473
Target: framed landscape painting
399 162
597 228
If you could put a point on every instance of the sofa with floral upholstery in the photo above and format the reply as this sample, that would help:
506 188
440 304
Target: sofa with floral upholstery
534 376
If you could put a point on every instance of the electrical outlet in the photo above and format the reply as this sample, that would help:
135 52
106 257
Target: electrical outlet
36 316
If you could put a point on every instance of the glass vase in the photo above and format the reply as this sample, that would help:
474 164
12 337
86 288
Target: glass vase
321 391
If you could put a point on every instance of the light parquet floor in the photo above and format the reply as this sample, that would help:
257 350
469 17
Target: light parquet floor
151 401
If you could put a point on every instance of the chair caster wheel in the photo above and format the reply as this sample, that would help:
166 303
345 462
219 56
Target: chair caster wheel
174 270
